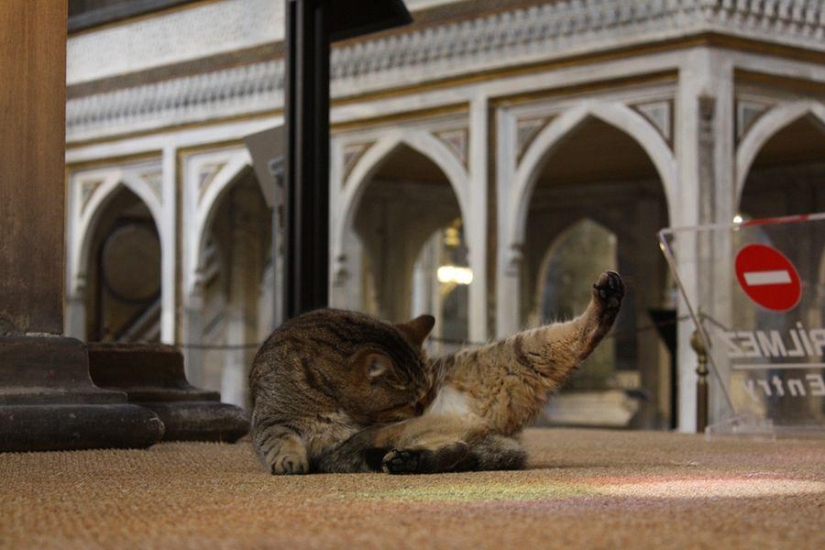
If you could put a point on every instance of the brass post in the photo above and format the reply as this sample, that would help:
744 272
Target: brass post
701 382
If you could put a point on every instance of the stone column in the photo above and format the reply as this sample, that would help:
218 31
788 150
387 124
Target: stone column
704 152
509 256
167 227
648 295
33 96
354 272
75 321
244 277
47 399
193 332
476 230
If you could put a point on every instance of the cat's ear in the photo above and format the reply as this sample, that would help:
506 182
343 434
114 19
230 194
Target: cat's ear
418 329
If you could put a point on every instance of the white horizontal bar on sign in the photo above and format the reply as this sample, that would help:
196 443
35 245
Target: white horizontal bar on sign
759 278
777 366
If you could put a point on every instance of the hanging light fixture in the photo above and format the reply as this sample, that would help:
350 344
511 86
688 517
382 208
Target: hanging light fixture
451 274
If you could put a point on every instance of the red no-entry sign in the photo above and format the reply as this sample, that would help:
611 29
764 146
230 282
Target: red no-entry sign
768 277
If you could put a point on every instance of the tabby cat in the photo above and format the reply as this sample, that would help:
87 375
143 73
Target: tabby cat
337 391
325 375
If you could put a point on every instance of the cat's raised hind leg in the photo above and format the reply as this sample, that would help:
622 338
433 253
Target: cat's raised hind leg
608 293
605 303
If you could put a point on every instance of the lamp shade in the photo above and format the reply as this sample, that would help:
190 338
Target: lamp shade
351 18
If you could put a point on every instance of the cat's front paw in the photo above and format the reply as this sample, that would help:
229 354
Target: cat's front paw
425 461
401 462
289 463
609 290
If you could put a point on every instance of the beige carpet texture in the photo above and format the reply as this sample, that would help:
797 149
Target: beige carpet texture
584 489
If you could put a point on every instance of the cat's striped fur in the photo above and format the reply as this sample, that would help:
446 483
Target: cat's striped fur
486 396
325 375
474 402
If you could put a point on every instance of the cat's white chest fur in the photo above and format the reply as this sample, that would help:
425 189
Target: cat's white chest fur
449 401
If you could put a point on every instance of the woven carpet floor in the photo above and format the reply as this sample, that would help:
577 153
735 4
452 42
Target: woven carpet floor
584 489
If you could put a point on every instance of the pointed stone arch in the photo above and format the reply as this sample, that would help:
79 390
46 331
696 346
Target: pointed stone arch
577 252
88 205
361 175
350 192
560 235
87 218
652 173
618 115
226 251
571 224
202 205
767 127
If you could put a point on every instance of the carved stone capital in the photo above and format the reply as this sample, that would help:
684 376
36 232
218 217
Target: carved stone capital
340 272
515 258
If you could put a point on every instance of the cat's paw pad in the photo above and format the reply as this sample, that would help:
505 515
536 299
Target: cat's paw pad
609 290
443 458
401 462
289 464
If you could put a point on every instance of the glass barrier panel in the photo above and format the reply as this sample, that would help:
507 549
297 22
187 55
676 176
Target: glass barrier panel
756 293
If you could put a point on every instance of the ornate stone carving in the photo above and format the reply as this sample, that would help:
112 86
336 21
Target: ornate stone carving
707 169
515 257
747 113
660 115
457 141
206 175
155 181
352 154
87 189
235 91
77 291
501 39
526 132
340 271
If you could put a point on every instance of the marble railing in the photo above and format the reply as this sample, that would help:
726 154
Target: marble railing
564 23
544 31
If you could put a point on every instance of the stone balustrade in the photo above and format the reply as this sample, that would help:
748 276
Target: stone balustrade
503 39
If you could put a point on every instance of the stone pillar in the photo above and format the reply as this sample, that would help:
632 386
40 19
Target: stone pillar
244 278
47 399
355 272
75 321
267 303
193 332
476 223
705 155
427 291
33 96
648 295
167 228
347 273
509 255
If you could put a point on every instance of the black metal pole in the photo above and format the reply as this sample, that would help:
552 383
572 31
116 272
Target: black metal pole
307 156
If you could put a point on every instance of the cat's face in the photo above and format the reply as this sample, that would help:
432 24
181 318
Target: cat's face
388 372
375 371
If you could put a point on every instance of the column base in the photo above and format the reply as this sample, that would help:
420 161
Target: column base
153 377
49 403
